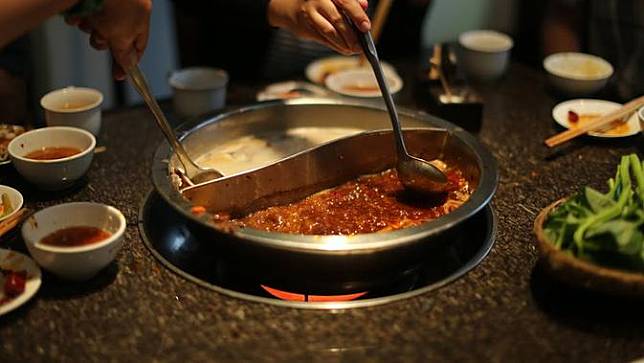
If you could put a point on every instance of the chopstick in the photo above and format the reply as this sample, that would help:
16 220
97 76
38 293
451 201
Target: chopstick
378 22
11 222
379 18
598 123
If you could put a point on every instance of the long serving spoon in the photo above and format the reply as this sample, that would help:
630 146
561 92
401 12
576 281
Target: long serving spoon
193 172
415 174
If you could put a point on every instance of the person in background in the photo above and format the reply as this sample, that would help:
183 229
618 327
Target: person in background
611 29
258 50
205 39
120 25
287 56
13 81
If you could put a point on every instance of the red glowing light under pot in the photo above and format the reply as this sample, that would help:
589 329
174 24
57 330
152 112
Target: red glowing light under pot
290 296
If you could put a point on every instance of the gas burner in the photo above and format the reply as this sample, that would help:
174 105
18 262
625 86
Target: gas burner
168 237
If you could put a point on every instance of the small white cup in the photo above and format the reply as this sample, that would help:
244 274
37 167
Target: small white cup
484 54
198 90
74 106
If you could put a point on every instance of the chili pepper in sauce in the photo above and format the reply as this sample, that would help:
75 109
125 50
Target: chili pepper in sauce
573 116
14 283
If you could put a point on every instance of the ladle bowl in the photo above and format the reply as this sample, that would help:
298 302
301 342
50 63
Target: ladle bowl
415 173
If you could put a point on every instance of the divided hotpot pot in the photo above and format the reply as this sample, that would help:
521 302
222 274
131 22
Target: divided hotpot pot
328 264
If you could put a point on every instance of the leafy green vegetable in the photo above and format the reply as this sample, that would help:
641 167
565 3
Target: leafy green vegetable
606 228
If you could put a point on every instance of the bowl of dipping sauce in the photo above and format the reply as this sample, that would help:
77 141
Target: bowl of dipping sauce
53 158
577 74
75 240
74 106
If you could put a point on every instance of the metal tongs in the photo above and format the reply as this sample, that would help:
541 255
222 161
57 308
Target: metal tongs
193 172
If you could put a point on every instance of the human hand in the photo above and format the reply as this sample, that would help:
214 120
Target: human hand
121 26
322 21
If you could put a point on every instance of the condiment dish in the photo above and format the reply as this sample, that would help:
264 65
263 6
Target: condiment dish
15 198
7 133
17 262
577 74
577 272
361 83
79 262
55 174
585 107
318 70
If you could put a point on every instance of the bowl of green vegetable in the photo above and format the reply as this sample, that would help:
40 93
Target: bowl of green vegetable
10 202
596 240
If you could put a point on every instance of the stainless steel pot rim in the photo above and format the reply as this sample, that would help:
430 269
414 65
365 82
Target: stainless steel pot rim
343 245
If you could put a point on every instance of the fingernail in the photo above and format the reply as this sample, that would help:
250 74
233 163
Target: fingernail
365 26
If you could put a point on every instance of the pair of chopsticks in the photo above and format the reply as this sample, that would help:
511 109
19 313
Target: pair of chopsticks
11 222
598 123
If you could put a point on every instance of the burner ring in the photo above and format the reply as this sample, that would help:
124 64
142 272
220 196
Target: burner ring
171 244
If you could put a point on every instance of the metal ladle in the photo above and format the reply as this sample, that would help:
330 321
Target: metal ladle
193 172
415 174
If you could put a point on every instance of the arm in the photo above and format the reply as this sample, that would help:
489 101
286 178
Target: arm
123 27
318 20
321 20
19 16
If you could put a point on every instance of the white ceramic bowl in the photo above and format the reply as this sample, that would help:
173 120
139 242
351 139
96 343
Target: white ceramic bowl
74 263
198 90
362 83
484 54
577 74
15 199
75 107
55 174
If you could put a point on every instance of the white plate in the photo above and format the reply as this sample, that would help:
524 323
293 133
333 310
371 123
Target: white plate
11 260
16 130
362 78
291 89
590 106
15 197
317 70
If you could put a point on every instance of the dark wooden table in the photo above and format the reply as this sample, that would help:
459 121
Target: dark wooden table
504 310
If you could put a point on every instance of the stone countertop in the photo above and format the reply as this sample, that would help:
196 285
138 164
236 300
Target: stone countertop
506 309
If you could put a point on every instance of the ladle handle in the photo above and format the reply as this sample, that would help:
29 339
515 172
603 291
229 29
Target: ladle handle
139 82
369 49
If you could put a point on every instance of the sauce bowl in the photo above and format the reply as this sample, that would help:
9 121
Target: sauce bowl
577 74
74 263
54 174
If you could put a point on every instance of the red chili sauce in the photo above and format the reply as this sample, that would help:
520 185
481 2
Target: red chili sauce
75 237
53 153
372 203
14 284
